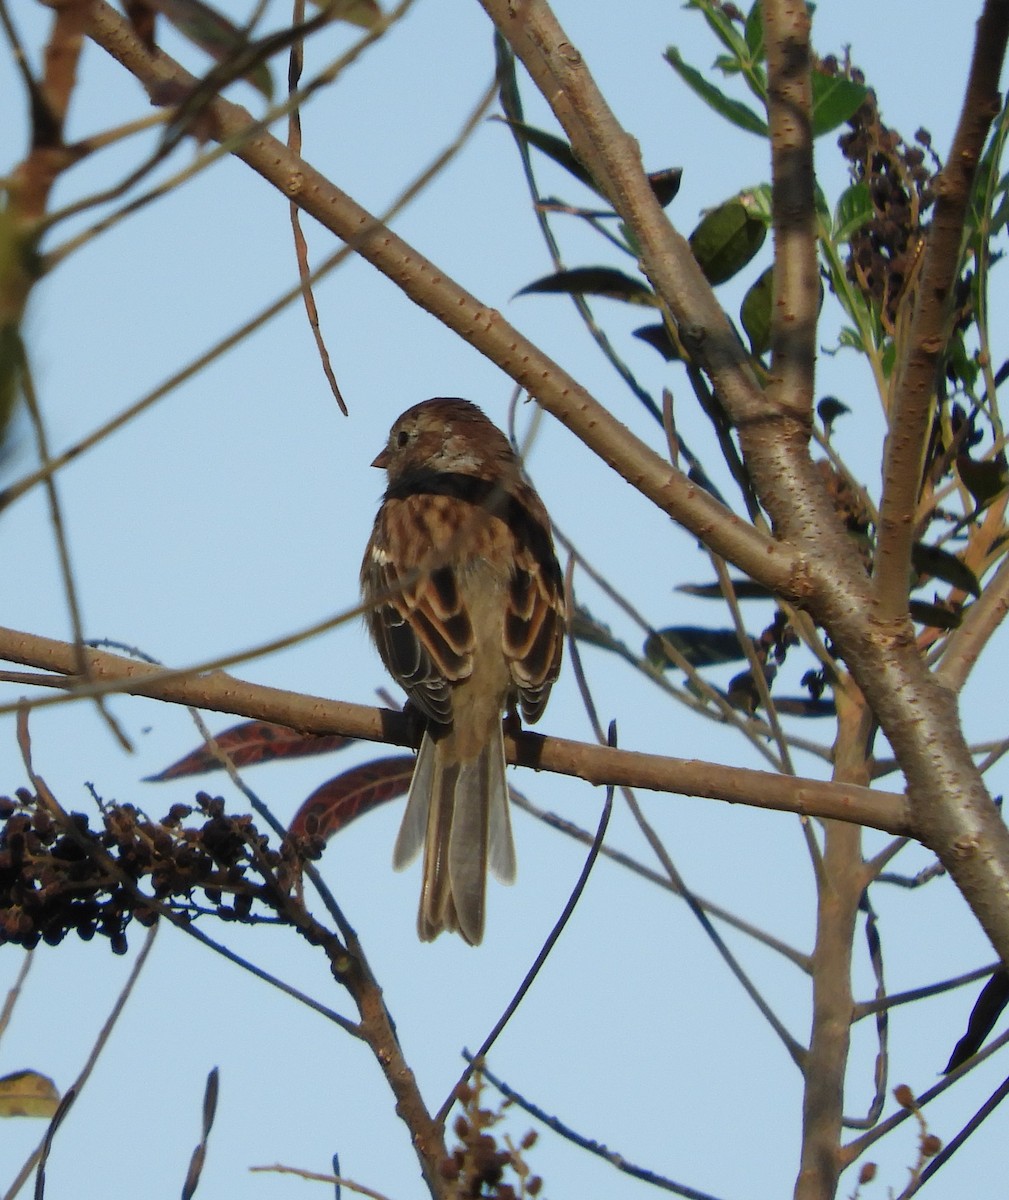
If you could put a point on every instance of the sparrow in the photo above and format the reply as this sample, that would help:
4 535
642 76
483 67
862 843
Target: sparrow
466 607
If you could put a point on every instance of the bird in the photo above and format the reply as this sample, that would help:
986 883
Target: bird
465 603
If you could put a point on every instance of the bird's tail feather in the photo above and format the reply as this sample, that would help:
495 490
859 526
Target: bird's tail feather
458 811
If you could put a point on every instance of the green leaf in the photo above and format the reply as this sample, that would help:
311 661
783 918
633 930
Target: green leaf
594 281
723 28
853 209
851 339
835 99
364 13
935 563
755 313
700 647
727 239
733 111
753 32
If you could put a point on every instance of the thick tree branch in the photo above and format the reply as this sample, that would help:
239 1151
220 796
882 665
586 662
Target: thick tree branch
979 623
482 327
219 692
954 813
796 296
910 414
840 884
817 566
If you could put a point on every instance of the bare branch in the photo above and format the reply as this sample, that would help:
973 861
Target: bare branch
482 327
911 409
219 692
796 295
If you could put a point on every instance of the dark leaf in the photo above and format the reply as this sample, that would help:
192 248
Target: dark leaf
732 110
213 33
587 629
700 647
745 589
985 479
829 409
993 999
250 743
755 313
742 693
835 99
554 148
935 616
665 184
934 563
657 336
726 239
594 281
805 706
333 806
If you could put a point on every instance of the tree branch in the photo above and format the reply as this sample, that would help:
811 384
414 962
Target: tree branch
910 415
598 765
816 566
953 811
979 623
481 327
796 295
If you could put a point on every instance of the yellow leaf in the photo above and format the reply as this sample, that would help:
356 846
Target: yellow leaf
27 1094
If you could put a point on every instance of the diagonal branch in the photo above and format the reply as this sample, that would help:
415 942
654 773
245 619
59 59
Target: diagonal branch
910 413
482 327
813 563
954 813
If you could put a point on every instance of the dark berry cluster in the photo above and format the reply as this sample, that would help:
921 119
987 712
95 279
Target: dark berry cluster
901 183
479 1164
58 875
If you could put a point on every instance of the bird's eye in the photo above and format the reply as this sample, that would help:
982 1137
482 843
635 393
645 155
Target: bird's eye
402 438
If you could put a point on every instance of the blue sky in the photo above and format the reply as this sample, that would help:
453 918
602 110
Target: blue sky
237 510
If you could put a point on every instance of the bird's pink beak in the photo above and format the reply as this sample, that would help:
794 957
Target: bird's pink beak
382 460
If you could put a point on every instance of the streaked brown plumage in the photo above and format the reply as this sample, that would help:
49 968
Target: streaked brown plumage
468 616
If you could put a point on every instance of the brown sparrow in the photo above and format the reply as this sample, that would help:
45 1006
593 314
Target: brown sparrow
467 612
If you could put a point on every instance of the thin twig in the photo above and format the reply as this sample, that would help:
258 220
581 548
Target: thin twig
296 62
99 1045
570 829
14 992
795 1050
598 1148
60 538
548 945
